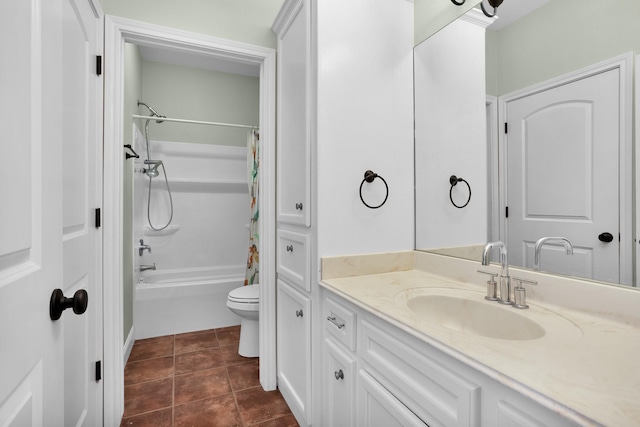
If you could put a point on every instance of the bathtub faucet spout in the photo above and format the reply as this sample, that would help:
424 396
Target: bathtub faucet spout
145 267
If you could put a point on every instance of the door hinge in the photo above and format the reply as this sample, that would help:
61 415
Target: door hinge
506 127
98 217
99 65
98 370
506 211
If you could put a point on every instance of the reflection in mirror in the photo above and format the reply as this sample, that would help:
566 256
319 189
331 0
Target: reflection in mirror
458 88
432 15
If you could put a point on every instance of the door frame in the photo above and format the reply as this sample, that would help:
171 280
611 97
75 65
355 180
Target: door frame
117 32
493 173
624 63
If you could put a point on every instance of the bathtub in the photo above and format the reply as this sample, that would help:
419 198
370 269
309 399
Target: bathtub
171 302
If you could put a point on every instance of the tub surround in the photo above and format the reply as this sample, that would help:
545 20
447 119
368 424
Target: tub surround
583 368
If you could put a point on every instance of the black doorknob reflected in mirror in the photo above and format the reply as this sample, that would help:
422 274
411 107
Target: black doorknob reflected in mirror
59 303
605 237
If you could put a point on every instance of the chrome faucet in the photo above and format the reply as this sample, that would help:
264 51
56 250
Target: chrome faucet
145 267
505 280
567 246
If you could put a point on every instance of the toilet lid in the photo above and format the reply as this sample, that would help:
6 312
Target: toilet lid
249 293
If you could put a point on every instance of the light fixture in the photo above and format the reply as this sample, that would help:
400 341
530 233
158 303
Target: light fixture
493 3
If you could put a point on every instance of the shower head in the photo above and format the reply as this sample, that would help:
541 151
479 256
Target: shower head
152 111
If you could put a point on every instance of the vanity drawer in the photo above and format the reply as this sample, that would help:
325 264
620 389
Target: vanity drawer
340 322
436 394
294 258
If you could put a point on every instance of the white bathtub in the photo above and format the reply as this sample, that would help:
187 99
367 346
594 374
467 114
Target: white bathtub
185 300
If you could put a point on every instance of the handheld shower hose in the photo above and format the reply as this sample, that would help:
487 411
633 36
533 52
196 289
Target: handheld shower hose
152 171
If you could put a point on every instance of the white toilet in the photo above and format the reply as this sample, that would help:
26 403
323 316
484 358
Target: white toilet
245 302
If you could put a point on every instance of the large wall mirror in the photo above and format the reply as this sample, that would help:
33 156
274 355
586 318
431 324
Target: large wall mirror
560 74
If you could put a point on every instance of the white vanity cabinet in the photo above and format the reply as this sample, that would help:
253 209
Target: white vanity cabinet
339 371
339 382
292 28
295 231
294 258
402 380
377 407
294 348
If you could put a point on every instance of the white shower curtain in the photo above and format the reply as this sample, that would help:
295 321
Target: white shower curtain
253 164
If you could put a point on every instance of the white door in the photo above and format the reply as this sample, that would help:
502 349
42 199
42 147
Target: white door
50 115
562 180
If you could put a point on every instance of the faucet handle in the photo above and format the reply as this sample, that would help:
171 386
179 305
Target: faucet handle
492 294
520 293
142 247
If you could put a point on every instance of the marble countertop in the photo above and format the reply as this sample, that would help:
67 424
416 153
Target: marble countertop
585 367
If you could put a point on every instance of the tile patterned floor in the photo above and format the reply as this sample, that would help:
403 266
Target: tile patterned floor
199 380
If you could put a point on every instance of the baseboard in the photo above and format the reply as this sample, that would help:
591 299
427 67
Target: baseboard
128 346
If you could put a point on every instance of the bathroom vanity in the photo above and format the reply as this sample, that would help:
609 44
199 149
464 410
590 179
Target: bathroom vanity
392 356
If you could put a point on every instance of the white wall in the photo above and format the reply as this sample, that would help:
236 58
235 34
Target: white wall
247 21
561 37
451 136
211 207
198 94
364 121
132 92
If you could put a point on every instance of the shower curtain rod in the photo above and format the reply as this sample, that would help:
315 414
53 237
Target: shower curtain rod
197 122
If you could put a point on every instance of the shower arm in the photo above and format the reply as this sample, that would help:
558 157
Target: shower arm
153 112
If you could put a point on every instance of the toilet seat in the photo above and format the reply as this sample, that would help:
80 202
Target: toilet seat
249 294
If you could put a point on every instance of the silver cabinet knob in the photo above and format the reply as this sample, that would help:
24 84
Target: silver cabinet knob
339 375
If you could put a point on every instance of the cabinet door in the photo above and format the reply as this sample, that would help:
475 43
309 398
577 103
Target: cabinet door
339 379
294 349
379 408
431 389
293 168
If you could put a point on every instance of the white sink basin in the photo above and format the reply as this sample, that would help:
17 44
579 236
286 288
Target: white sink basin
465 311
488 319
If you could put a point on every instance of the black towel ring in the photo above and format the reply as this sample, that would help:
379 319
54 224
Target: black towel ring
369 176
454 180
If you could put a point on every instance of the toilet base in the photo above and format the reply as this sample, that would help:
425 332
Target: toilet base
249 339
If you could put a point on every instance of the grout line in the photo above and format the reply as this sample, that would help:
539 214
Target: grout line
235 399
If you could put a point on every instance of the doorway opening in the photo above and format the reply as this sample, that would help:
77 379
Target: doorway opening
176 48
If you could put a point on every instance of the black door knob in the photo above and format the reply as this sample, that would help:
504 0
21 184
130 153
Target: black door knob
605 237
59 303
